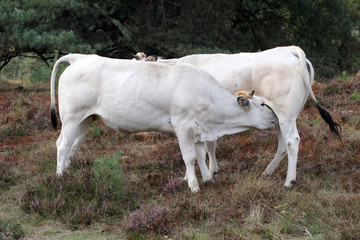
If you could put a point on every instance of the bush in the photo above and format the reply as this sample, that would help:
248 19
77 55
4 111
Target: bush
148 218
109 172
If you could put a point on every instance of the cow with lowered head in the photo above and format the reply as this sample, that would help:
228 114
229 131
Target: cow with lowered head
134 96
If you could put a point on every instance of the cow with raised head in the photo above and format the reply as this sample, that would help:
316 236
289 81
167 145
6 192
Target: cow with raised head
283 77
134 96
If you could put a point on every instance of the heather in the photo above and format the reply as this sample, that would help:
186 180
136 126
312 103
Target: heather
128 187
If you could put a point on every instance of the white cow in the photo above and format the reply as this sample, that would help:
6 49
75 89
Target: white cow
283 77
134 96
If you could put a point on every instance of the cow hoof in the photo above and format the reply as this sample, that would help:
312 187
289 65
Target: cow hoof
59 173
208 178
211 180
194 189
290 184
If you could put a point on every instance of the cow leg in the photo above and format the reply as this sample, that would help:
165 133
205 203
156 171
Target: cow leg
189 159
211 148
188 151
292 140
65 141
82 132
201 159
280 154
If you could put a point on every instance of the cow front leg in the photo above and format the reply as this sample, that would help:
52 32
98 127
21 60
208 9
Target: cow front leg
187 147
201 159
189 159
211 148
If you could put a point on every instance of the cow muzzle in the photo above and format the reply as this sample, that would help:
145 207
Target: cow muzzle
274 115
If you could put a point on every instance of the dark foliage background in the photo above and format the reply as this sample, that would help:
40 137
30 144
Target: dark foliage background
328 30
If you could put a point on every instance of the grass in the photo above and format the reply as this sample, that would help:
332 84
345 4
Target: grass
139 193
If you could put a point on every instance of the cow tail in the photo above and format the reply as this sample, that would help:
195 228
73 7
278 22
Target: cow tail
307 72
53 116
334 127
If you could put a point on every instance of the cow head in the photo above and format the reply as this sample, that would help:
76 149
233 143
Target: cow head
140 56
260 115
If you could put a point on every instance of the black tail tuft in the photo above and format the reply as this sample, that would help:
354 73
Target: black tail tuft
334 127
53 117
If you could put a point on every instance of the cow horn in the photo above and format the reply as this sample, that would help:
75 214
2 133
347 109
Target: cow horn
252 93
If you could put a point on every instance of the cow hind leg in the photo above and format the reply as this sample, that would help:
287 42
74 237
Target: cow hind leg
292 141
84 128
279 156
211 149
201 159
64 143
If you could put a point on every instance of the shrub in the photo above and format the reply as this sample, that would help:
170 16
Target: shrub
169 154
333 89
355 96
148 218
109 172
228 145
12 132
79 196
173 185
82 215
56 196
7 175
10 230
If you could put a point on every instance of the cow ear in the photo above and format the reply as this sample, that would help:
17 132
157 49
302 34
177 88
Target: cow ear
243 101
